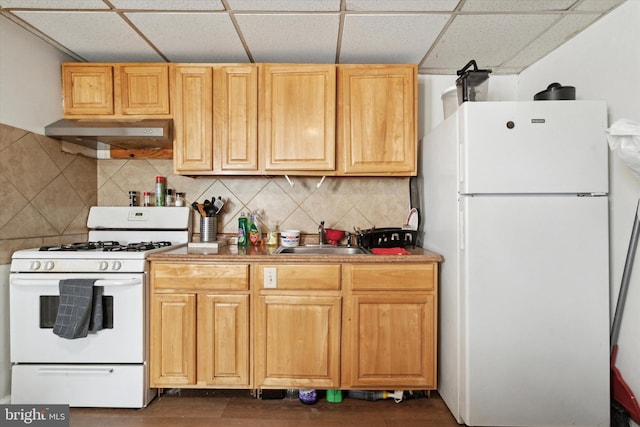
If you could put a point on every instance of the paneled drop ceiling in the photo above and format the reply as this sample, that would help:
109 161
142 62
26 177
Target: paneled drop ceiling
440 35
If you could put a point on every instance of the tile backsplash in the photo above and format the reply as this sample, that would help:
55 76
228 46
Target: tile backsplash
341 202
46 193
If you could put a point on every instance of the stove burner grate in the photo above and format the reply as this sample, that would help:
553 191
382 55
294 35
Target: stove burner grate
106 246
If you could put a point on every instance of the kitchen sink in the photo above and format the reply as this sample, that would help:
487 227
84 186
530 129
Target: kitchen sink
322 250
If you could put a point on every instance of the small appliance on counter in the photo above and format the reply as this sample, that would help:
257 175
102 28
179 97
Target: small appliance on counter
473 84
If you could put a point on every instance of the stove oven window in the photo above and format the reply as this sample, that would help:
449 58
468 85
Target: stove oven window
49 311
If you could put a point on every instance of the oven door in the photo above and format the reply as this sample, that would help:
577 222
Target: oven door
33 304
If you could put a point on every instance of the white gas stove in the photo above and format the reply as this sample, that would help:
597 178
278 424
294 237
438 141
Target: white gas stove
53 361
120 238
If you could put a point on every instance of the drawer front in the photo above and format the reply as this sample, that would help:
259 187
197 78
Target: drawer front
200 276
419 277
299 276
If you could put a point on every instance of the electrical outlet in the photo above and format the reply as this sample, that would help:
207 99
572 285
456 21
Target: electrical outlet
270 277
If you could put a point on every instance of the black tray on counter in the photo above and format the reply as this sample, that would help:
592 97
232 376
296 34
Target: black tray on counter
387 238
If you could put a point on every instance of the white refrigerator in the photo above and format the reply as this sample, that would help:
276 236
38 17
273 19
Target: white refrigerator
514 196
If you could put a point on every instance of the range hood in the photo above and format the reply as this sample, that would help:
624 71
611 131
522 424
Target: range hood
126 134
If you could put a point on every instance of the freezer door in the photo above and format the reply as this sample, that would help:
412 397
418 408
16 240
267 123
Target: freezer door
536 311
533 147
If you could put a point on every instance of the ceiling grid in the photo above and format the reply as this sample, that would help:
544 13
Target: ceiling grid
441 36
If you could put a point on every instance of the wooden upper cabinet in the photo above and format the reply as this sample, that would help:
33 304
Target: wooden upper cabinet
144 89
215 119
115 90
297 117
377 119
87 89
235 117
193 118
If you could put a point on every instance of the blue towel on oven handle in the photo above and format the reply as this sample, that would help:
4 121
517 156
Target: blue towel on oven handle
80 308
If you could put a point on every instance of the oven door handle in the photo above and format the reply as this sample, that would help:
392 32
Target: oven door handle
99 282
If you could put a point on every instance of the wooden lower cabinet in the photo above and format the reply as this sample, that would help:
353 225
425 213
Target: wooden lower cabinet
298 326
349 326
200 326
173 340
389 334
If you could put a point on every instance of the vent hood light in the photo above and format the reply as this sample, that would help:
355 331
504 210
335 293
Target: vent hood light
126 134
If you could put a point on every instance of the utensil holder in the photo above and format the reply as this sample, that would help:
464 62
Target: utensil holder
208 229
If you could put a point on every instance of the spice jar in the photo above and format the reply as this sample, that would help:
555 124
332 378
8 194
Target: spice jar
160 190
180 199
147 198
133 198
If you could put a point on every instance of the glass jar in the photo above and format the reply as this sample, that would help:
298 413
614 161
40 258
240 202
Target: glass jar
180 199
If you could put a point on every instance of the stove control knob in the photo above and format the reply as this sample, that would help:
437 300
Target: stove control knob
103 265
35 265
117 265
49 265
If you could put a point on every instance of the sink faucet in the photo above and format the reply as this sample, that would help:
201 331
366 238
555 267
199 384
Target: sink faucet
321 233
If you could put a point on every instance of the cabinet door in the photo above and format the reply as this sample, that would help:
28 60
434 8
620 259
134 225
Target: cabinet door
144 89
173 340
297 117
87 90
223 341
235 118
298 341
377 122
391 342
193 119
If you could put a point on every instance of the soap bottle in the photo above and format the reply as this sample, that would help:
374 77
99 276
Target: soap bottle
255 235
243 230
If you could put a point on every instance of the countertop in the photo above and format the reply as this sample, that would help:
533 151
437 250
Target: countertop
236 253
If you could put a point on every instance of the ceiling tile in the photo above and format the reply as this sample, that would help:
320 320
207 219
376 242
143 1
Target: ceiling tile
288 38
211 36
563 30
55 4
598 5
168 4
489 39
402 5
286 5
517 5
95 36
388 38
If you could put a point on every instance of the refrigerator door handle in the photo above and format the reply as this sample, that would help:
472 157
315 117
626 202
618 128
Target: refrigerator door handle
461 225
